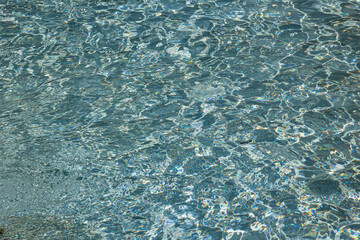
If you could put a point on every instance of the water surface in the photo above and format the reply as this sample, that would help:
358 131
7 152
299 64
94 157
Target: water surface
180 119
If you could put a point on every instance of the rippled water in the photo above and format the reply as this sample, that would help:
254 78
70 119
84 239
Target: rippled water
164 119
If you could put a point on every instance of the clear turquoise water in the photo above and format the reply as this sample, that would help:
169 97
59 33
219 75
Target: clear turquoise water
179 119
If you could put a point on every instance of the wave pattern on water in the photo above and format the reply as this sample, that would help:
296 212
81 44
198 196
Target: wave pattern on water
138 119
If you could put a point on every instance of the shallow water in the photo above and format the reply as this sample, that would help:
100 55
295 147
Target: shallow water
180 119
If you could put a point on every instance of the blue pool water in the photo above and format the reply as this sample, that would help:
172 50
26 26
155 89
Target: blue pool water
164 119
